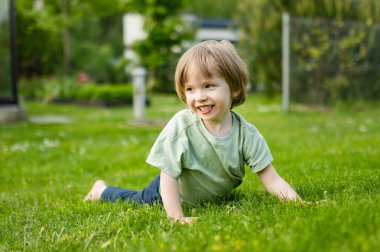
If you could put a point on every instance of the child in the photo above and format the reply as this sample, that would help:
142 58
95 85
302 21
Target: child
202 151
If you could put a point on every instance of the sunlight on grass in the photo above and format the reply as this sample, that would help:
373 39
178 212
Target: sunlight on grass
47 168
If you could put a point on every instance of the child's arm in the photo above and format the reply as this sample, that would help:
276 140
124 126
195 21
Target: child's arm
171 200
276 185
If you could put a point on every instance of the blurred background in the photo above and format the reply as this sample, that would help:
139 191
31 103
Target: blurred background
85 50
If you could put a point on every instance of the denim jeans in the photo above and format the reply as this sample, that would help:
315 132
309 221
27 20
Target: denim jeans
148 195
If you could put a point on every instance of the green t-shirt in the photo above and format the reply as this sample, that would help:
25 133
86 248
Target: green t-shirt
204 165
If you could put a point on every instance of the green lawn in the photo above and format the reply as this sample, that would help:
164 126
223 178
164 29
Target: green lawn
46 170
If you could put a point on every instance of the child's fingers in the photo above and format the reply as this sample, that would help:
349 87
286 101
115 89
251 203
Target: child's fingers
186 220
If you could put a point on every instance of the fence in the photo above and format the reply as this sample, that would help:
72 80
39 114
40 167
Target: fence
325 60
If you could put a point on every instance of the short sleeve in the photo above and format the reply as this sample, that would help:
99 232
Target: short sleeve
168 151
256 151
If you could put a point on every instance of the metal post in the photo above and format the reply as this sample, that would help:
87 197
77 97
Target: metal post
139 98
10 111
285 61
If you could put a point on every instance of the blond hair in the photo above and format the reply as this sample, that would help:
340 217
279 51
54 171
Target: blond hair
212 57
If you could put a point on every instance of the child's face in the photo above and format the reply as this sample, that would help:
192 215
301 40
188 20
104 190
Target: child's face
210 98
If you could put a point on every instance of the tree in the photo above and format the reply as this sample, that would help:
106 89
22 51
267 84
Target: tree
36 29
46 33
63 36
223 9
165 33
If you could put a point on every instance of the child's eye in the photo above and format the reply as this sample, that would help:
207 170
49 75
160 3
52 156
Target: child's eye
188 89
210 85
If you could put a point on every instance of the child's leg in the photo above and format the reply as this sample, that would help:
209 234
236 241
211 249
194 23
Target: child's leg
148 195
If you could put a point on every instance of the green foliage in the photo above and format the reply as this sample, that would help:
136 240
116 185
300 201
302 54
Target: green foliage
115 93
260 22
69 36
39 45
5 55
66 36
165 33
260 42
46 169
334 60
99 51
5 58
48 89
212 9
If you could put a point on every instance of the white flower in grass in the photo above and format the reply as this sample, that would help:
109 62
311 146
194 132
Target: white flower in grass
314 129
363 128
82 150
19 147
123 142
134 140
51 143
5 148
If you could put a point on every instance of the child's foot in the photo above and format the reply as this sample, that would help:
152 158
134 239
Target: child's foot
96 191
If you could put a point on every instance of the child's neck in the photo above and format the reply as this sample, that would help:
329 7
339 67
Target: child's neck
219 128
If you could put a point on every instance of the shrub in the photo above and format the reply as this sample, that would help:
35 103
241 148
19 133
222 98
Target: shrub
109 94
48 89
67 90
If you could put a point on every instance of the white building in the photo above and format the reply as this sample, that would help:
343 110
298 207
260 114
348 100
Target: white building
217 29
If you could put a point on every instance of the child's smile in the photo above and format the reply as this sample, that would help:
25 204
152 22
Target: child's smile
205 109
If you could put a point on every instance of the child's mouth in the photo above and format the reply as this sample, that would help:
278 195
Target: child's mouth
205 109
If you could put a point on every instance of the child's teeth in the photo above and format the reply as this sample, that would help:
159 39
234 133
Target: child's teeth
205 107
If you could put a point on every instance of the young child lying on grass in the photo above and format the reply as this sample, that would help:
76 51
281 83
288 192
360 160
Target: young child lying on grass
203 150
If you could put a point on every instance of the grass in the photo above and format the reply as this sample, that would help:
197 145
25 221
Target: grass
46 169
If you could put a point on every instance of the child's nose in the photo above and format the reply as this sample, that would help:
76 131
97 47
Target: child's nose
200 95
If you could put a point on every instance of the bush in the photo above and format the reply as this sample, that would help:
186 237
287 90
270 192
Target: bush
67 90
48 89
107 94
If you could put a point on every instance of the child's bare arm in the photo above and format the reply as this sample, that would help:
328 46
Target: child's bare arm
171 200
170 196
276 185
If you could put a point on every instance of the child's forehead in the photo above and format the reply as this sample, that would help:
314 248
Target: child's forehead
200 76
207 71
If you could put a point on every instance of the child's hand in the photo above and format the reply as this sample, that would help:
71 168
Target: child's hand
185 220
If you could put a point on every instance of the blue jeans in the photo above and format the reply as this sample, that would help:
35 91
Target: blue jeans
148 195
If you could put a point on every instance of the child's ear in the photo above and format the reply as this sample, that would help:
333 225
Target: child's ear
235 93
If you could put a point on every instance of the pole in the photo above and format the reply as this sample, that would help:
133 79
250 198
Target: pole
285 61
139 98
